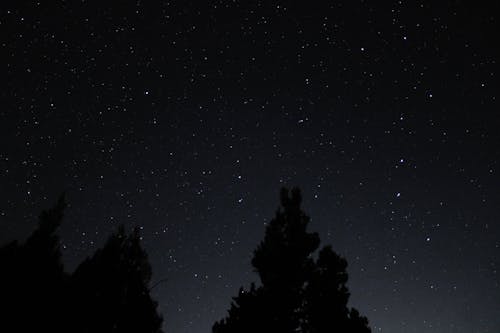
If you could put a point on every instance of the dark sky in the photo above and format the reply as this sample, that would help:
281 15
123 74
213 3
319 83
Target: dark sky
187 118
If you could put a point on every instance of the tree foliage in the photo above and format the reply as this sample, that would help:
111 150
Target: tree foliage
112 288
33 278
108 292
297 292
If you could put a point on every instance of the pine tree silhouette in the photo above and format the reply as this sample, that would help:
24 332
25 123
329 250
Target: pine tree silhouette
107 293
112 288
297 293
326 296
33 281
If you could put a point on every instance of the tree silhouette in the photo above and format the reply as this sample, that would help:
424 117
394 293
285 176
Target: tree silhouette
33 278
297 293
112 288
326 296
107 293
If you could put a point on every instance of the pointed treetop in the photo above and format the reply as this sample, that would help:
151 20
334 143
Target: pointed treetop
51 218
292 201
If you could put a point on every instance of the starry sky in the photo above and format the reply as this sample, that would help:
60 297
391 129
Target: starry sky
186 118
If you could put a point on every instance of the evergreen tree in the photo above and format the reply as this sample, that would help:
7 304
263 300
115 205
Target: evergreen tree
107 293
326 297
112 288
297 293
33 279
247 306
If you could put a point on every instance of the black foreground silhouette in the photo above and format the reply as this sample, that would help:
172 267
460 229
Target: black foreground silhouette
297 293
108 292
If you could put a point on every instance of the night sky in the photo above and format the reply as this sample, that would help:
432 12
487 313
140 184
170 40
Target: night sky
185 118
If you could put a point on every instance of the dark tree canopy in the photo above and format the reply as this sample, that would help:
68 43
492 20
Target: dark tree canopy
113 288
326 296
108 292
32 282
297 293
